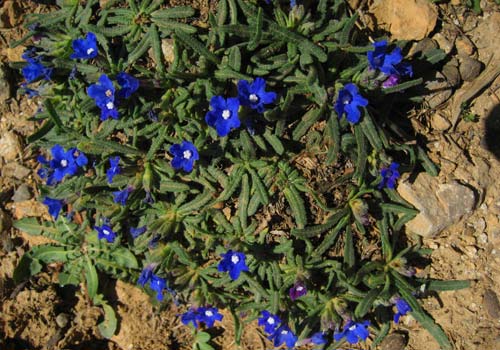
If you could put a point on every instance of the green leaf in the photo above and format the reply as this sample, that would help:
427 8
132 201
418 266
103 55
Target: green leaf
349 256
403 86
332 132
173 12
366 303
243 201
108 326
346 31
50 253
274 141
437 285
96 146
259 186
427 163
257 31
53 114
125 258
297 205
91 278
196 46
433 56
305 123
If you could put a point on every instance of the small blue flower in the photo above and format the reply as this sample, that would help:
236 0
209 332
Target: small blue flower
114 168
224 115
136 232
269 321
145 275
379 59
234 263
403 308
55 206
208 315
298 290
283 335
184 156
105 232
354 332
33 70
319 338
128 84
62 163
293 3
389 176
389 64
190 316
348 102
121 196
85 48
104 95
254 95
158 284
30 92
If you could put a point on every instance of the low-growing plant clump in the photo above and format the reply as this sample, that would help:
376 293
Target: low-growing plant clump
243 165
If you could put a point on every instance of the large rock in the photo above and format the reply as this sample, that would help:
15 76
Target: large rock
405 19
440 205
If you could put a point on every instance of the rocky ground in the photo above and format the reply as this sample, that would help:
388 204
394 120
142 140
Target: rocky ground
459 210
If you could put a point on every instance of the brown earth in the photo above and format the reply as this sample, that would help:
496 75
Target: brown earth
41 315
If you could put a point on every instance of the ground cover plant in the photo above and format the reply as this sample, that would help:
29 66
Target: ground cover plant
243 165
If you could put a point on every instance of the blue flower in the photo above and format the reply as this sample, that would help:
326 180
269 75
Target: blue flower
33 70
158 284
354 332
145 275
63 163
105 232
55 206
348 102
389 64
254 95
114 168
121 196
293 3
128 84
379 59
389 176
234 263
269 321
85 48
208 315
319 338
224 115
298 290
283 335
190 316
104 95
136 232
184 156
403 308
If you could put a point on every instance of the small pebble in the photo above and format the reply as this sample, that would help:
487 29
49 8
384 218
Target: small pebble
491 303
62 320
394 341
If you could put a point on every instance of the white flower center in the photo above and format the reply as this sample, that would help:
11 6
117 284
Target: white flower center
284 332
64 163
106 232
300 289
353 327
270 320
209 313
187 154
89 51
253 98
226 114
110 105
235 259
109 93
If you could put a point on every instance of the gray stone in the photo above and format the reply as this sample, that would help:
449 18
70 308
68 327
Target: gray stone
5 87
440 205
423 46
394 341
491 303
62 320
16 170
10 147
440 122
440 92
5 221
21 194
452 74
469 68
